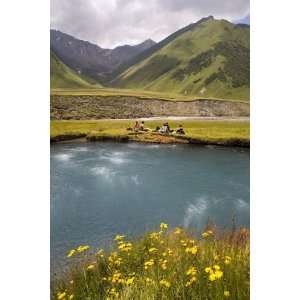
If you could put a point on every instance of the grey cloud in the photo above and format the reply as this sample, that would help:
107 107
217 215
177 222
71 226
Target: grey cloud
109 23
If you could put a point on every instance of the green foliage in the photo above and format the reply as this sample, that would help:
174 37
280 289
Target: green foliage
219 75
237 64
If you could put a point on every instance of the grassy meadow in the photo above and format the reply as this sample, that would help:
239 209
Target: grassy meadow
197 131
165 264
104 91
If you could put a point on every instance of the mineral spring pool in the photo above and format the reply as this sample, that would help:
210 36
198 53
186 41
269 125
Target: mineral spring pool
99 190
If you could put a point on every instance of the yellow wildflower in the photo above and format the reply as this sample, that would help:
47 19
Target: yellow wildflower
100 253
214 272
191 281
164 264
71 253
119 237
205 235
83 248
154 235
219 274
212 277
170 252
61 295
191 271
149 280
183 243
118 261
130 281
125 247
165 283
227 260
192 250
113 292
116 277
226 294
148 264
72 281
71 296
90 267
112 257
163 226
153 250
178 230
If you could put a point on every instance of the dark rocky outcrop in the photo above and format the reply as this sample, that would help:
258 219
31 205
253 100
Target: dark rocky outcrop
127 107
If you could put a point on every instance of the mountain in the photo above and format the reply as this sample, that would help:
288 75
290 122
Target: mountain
209 58
245 20
90 59
62 76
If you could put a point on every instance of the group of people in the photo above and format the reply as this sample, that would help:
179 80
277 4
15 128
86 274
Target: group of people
164 129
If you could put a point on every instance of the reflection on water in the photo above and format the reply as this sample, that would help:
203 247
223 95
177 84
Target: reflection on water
102 189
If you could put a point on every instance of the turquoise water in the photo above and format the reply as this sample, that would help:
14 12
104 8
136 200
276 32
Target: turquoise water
99 190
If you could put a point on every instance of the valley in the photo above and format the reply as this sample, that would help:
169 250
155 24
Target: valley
206 59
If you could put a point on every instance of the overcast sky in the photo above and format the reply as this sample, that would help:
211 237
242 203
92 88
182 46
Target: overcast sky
110 23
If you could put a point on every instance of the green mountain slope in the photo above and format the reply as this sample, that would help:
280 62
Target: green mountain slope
210 58
62 76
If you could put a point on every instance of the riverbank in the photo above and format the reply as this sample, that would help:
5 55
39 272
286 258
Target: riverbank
165 264
225 132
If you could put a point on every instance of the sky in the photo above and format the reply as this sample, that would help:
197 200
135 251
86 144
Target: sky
110 23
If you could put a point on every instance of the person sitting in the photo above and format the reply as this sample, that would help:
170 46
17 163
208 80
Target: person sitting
142 126
136 126
165 129
180 130
157 129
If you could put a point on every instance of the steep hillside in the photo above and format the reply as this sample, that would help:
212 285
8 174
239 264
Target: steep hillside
62 76
209 58
90 59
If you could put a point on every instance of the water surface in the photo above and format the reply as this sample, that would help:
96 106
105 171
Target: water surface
99 190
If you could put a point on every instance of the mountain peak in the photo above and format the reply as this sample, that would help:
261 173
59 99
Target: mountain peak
205 19
147 43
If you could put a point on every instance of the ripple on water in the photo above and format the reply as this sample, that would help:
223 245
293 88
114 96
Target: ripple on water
103 172
63 156
117 158
195 211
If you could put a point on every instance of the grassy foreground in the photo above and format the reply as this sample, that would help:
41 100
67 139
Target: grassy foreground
197 131
166 264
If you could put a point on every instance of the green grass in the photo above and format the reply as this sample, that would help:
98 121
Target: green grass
197 131
134 93
209 60
166 264
62 76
